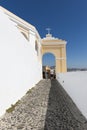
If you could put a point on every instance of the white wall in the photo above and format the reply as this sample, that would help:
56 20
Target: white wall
19 67
75 83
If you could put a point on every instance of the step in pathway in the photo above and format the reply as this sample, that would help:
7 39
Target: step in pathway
46 106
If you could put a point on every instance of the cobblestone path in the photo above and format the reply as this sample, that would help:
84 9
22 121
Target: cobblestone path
45 107
62 113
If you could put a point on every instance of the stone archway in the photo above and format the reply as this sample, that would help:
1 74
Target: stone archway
48 59
58 48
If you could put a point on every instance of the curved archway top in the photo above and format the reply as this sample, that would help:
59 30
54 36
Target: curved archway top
54 45
58 48
50 52
49 59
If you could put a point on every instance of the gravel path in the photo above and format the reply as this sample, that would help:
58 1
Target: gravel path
45 107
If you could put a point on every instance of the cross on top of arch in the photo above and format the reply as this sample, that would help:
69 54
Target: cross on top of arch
49 30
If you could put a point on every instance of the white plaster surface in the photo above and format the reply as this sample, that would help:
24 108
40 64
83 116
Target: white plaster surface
19 66
75 83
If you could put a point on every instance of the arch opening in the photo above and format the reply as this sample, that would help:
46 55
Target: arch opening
48 65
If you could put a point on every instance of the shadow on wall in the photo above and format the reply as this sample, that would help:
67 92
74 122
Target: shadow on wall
61 110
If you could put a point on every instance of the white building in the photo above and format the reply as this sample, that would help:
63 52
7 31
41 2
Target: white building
20 58
21 50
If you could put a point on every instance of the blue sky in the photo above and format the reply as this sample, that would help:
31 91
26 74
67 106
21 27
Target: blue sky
66 18
48 59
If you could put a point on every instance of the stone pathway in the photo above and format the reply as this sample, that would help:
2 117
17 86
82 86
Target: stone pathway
45 107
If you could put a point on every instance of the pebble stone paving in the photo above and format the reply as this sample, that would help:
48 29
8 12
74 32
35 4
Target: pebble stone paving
45 107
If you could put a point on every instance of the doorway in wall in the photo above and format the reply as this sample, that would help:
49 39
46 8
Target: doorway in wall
48 66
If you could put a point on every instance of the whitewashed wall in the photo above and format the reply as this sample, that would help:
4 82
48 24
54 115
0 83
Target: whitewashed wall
19 66
75 84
